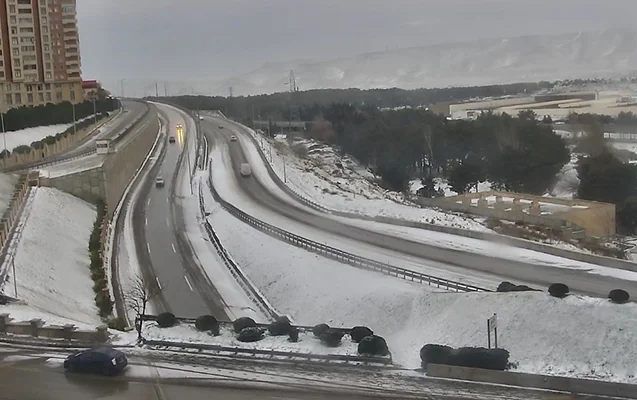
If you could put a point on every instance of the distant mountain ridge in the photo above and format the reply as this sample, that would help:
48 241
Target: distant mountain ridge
608 53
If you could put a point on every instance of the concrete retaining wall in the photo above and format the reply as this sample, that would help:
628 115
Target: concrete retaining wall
120 167
558 383
37 328
87 185
9 217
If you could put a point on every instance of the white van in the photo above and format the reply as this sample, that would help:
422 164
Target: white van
245 169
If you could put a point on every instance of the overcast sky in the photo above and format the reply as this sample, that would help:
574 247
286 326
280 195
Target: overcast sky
210 39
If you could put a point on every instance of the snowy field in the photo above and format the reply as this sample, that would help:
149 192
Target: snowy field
7 182
339 183
52 260
30 135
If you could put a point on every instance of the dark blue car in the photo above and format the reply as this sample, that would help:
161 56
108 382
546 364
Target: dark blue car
102 360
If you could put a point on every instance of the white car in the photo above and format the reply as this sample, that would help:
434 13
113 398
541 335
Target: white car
159 181
200 118
233 138
245 169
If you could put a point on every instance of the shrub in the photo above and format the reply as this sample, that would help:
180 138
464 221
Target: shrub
435 354
373 345
244 322
118 323
359 332
104 304
206 322
250 334
97 274
99 285
320 329
331 337
505 287
293 334
472 357
479 357
280 327
558 290
619 296
166 320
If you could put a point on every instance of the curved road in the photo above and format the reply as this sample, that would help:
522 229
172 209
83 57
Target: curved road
542 276
186 291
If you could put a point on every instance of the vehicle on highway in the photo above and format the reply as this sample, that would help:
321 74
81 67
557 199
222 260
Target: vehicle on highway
220 127
101 360
233 138
245 169
171 139
159 181
200 118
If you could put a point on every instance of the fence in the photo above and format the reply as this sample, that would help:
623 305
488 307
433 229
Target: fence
557 383
339 255
11 215
36 328
488 236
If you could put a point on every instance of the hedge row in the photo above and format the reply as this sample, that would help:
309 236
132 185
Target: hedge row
471 357
98 273
51 114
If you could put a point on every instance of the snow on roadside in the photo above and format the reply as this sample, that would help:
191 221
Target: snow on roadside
52 260
7 182
338 183
307 342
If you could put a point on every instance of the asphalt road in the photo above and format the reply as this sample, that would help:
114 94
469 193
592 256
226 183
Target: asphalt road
131 111
186 291
539 275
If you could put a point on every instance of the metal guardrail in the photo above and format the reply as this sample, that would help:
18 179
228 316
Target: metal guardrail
339 255
248 287
266 353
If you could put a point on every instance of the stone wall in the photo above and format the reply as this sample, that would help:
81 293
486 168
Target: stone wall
38 328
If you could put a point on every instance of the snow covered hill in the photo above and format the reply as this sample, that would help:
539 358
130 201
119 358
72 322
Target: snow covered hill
528 58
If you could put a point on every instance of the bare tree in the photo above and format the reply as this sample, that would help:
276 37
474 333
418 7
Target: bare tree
138 298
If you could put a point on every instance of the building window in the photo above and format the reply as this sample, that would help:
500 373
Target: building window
48 65
29 88
58 85
14 40
45 38
58 95
48 96
18 98
48 76
18 73
41 97
72 95
16 62
16 51
1 74
13 19
45 29
47 86
30 98
47 56
8 98
16 87
46 48
12 9
39 86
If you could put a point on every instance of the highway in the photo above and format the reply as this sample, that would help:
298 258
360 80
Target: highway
539 275
185 289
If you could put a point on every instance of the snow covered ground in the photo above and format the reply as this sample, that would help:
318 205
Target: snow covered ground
7 181
52 260
30 135
307 343
339 183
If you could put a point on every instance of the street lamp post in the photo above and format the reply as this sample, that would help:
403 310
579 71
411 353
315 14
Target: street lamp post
74 125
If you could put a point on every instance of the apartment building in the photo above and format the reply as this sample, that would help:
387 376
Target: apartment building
39 53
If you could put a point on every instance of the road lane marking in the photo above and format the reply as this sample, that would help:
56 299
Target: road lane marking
166 199
158 283
189 285
146 221
148 202
148 247
167 222
173 246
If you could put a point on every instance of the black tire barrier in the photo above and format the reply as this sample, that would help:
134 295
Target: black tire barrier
359 332
166 320
373 345
244 322
619 296
559 290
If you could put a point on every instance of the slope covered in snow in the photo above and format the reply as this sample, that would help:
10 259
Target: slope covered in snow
481 62
52 260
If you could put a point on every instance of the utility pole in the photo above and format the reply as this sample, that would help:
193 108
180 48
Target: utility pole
74 124
4 133
156 90
15 279
165 88
121 86
230 90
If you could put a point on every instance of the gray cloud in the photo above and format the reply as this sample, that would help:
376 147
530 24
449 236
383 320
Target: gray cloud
214 39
